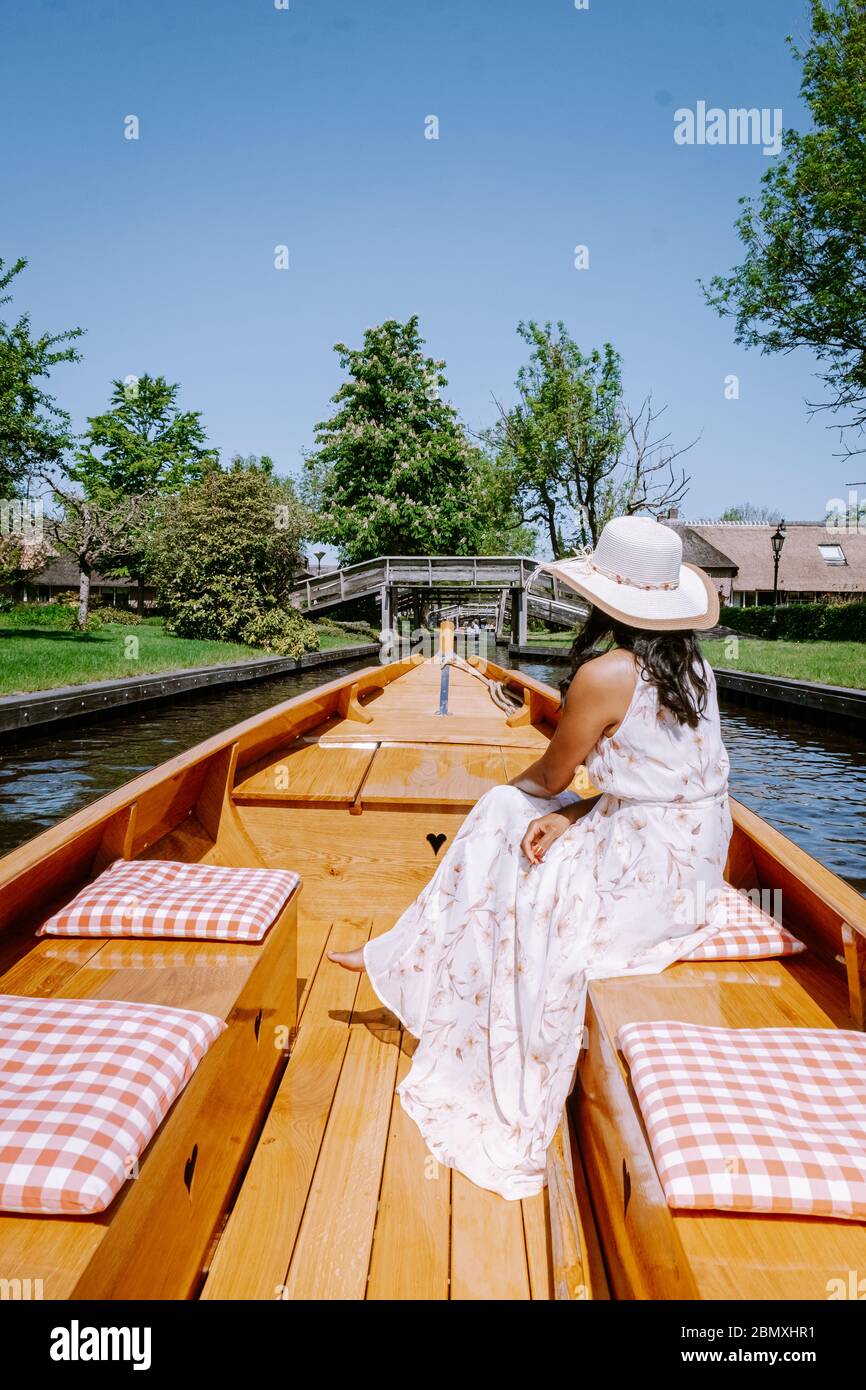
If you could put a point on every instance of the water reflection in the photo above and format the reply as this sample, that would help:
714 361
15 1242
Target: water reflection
47 775
808 780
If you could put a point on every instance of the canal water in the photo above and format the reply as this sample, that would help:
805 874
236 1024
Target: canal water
808 780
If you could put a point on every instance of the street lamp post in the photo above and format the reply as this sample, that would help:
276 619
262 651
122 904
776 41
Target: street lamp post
777 540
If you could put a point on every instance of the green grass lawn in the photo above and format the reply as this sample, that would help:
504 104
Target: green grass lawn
550 639
41 658
832 663
327 640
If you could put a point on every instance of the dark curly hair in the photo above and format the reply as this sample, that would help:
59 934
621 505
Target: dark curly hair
671 661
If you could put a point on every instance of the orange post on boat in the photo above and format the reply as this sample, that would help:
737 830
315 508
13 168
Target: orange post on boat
446 639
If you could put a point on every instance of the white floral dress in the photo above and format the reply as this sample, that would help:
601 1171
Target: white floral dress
488 967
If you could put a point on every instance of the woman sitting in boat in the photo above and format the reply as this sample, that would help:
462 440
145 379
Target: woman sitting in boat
542 891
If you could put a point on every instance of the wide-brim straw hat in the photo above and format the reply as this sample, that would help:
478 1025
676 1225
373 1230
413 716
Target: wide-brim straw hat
636 574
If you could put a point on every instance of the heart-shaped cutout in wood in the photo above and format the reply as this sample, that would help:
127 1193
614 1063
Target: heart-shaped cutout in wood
436 841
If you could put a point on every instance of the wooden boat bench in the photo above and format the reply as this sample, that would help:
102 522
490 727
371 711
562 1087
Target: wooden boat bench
651 1250
153 1240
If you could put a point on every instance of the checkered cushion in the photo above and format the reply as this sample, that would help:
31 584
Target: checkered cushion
157 897
84 1085
754 1119
747 933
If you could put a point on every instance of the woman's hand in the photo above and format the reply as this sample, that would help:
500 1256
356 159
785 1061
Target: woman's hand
542 832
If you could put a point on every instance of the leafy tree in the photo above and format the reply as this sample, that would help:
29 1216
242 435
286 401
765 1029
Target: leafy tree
575 454
226 548
748 511
143 446
92 532
394 472
34 431
501 528
802 282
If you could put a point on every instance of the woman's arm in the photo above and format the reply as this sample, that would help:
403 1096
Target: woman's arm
596 703
545 830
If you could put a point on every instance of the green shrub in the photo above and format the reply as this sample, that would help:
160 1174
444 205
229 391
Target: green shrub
93 624
106 614
348 629
283 631
63 617
52 615
801 622
225 550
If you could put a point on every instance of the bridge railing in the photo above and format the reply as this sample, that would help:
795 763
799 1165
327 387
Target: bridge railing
336 586
422 571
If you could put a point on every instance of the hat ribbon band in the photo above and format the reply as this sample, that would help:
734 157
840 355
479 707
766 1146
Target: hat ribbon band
632 583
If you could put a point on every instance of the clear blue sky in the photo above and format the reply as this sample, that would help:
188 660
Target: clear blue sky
306 127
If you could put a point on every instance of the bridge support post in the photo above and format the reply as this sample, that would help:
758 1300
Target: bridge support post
388 607
519 632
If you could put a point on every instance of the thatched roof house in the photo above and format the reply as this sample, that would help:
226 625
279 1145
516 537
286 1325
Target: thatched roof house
698 550
60 576
817 561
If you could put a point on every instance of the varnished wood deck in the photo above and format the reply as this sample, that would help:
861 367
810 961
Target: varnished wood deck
342 1199
305 1179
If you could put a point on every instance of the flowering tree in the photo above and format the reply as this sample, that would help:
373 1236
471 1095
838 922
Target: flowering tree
20 561
91 533
394 472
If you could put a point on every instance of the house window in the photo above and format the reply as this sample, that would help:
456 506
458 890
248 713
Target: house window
832 554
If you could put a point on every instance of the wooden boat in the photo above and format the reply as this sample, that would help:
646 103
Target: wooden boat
287 1169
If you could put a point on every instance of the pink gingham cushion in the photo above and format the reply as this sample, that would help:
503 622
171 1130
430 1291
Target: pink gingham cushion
158 897
747 933
84 1086
754 1119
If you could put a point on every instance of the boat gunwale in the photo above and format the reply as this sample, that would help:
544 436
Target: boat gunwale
821 882
97 812
281 723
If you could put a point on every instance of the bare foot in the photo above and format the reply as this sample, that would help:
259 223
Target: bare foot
350 960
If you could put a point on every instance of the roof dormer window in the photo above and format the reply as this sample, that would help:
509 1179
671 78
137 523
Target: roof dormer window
832 554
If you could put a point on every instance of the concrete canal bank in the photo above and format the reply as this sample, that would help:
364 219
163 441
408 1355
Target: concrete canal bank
20 712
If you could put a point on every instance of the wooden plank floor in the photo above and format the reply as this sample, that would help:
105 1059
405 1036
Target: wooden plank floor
407 710
342 1199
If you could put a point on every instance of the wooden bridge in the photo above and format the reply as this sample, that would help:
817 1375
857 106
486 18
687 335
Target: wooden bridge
520 590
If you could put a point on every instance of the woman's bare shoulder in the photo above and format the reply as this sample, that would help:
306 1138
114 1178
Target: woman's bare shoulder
610 677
